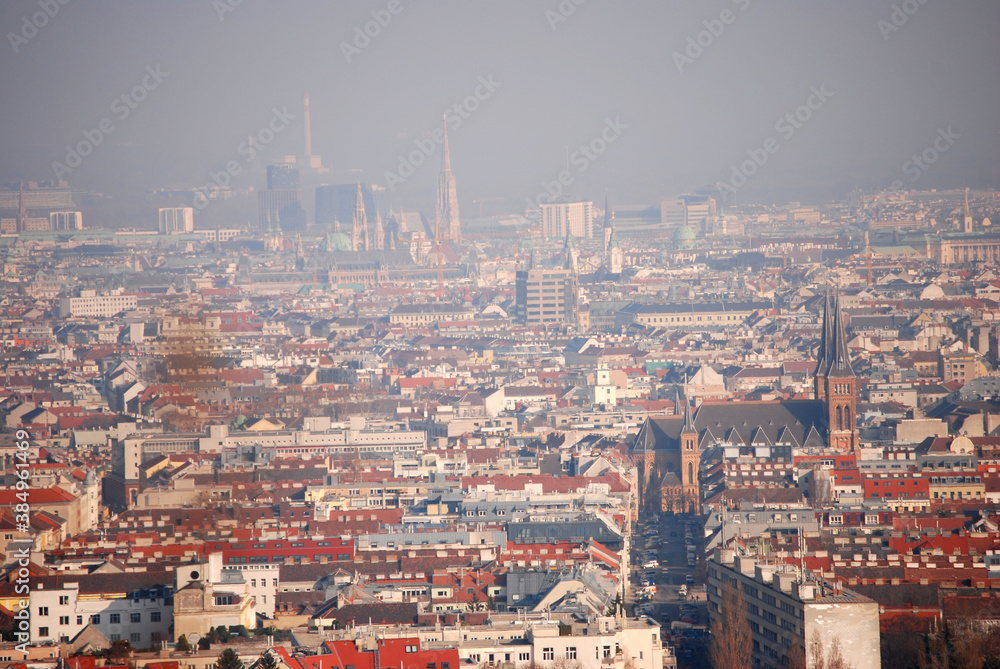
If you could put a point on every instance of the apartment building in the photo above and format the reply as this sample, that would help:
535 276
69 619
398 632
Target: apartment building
787 610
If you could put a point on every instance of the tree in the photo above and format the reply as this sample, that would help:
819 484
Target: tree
183 645
222 632
229 659
267 661
732 643
834 658
119 652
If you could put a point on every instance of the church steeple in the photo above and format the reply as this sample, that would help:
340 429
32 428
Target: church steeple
359 223
689 426
822 356
840 356
379 232
446 224
839 384
572 255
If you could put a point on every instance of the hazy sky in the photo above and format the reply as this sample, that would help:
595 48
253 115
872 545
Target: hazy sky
889 91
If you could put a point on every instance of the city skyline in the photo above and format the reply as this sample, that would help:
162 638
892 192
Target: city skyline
515 126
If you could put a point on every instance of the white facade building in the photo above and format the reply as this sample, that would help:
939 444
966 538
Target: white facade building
89 303
176 220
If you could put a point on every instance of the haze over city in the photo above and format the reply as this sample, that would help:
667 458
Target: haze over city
562 70
566 334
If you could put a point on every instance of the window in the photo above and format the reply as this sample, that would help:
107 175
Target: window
411 649
224 600
95 619
136 617
43 610
115 618
63 600
154 617
64 620
43 631
523 657
135 637
571 653
548 653
79 620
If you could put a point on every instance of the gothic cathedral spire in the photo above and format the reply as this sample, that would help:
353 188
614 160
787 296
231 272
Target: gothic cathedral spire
446 214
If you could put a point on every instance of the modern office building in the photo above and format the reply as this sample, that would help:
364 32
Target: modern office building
577 216
176 220
279 205
65 220
545 296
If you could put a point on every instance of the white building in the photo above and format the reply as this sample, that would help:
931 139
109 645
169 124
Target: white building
604 390
65 220
111 602
176 220
557 216
89 303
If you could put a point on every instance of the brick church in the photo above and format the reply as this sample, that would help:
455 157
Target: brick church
667 451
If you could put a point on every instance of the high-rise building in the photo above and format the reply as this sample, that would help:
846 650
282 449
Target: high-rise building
176 220
336 203
65 220
545 295
279 205
281 176
446 214
687 210
578 217
673 213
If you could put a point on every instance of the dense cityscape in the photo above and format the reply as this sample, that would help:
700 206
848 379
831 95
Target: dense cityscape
286 416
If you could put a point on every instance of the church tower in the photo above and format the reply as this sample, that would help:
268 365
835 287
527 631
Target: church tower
572 255
823 355
967 216
379 232
359 223
690 461
840 387
446 214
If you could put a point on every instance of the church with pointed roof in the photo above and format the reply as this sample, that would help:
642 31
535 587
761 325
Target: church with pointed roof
668 451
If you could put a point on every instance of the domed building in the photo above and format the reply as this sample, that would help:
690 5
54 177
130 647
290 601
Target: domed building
684 237
338 241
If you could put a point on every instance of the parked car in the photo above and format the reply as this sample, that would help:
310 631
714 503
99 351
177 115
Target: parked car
651 564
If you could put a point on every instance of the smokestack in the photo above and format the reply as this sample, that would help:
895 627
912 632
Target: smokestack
305 106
